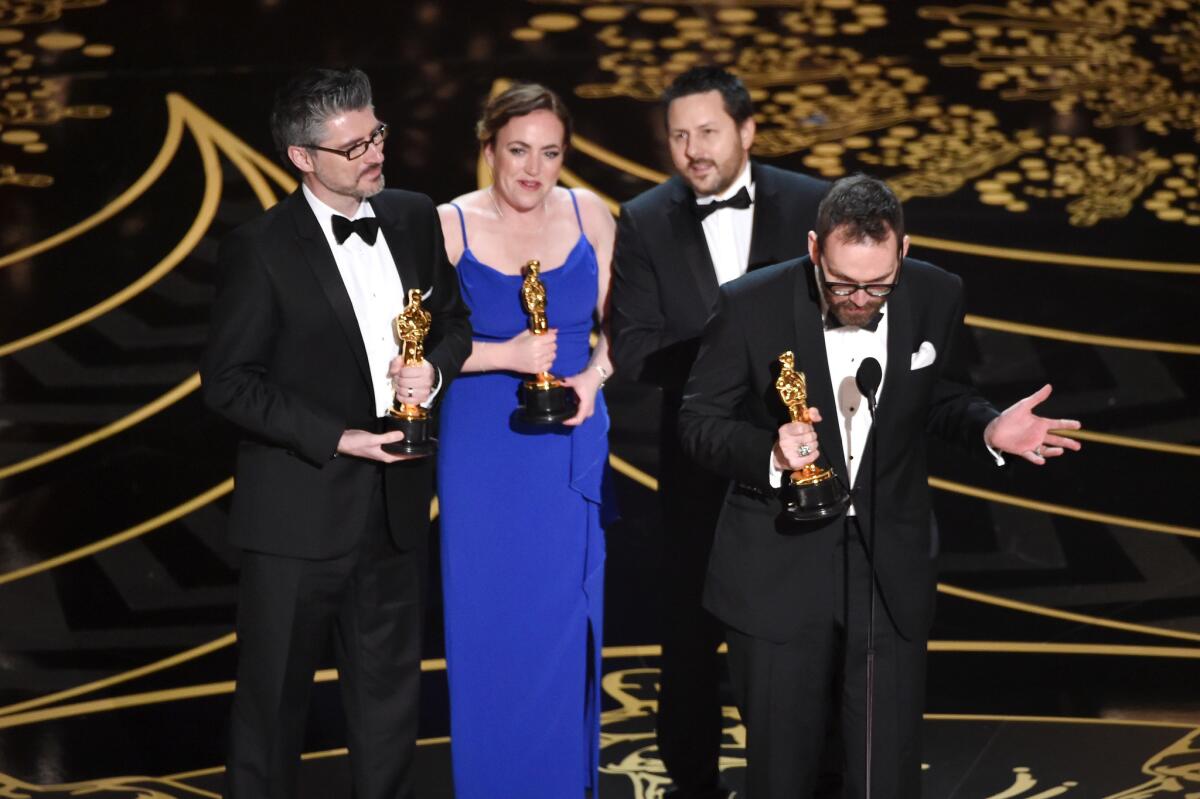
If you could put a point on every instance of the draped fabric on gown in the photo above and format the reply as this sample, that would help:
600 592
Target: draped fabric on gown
523 553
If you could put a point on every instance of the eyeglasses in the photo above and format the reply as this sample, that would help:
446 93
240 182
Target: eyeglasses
846 289
358 150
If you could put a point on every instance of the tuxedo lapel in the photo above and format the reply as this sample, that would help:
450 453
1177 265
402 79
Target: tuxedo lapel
768 222
809 338
688 236
393 230
900 347
315 248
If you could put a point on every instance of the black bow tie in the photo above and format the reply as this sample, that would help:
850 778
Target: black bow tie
833 323
739 200
367 228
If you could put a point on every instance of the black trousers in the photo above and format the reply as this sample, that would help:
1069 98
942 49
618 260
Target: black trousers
784 693
689 726
370 601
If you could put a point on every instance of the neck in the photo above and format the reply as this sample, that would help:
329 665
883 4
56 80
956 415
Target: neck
535 216
344 204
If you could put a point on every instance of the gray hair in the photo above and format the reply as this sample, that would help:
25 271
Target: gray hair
312 98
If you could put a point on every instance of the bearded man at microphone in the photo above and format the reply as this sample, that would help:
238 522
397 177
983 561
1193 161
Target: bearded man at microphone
797 598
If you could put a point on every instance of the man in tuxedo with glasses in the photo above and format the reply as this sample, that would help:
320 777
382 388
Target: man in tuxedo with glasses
302 358
804 602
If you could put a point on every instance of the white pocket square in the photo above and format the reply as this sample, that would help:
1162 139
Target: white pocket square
425 296
924 356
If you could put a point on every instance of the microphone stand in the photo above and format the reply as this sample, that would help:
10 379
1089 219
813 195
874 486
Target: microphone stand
870 714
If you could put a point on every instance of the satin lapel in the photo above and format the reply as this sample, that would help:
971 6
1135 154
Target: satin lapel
768 221
814 362
900 347
395 233
312 243
688 236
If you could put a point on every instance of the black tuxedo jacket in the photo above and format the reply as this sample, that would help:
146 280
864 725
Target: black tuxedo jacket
767 580
664 283
286 363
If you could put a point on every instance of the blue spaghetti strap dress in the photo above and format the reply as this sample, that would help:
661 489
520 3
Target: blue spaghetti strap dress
523 553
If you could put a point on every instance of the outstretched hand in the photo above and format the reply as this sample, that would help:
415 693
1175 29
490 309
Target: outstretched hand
1018 431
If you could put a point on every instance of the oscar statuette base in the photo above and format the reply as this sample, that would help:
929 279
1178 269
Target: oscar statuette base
813 494
417 427
546 402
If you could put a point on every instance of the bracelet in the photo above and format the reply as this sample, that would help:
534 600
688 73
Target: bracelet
603 373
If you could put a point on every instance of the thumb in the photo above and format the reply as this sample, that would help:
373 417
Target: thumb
391 437
1038 397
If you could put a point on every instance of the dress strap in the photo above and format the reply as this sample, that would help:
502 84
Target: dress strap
575 203
462 222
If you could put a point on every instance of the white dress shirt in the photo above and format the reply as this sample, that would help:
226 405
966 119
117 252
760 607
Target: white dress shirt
376 292
727 231
845 349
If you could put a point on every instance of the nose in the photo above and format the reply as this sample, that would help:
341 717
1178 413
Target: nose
374 152
692 149
533 166
860 297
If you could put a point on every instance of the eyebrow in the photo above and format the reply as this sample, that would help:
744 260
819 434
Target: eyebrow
846 278
530 146
708 123
346 145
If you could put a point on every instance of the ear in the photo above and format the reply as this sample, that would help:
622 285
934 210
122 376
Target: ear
746 133
489 155
904 248
301 158
813 250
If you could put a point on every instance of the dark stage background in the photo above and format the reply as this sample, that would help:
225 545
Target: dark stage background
1046 151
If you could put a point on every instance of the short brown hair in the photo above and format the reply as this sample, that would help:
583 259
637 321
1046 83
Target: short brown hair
517 101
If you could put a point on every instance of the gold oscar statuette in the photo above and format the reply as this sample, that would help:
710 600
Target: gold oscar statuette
411 327
811 493
544 400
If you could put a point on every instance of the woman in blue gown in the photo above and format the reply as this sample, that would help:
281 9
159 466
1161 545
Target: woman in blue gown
522 546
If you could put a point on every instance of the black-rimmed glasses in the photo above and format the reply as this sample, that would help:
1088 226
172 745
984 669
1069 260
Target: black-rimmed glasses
358 150
846 289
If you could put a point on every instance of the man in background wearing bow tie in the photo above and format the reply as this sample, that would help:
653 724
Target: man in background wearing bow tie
798 599
302 358
719 217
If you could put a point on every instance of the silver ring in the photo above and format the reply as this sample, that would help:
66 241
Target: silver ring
1037 451
410 392
804 451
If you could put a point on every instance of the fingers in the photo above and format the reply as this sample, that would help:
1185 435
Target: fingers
582 415
369 446
814 413
1036 459
1062 442
797 446
535 353
413 384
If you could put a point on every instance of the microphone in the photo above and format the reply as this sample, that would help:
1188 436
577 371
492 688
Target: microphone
870 374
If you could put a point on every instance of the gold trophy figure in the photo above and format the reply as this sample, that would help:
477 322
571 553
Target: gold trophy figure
811 493
544 399
411 327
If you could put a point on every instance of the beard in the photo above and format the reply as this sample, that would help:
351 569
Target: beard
369 188
852 315
717 181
